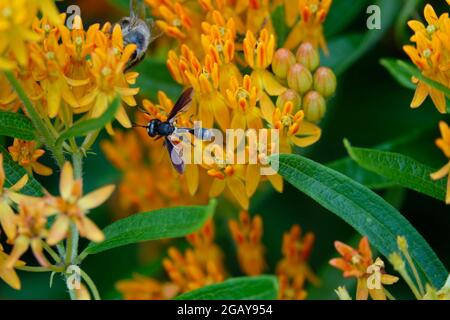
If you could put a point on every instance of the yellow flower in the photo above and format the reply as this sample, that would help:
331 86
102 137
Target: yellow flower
145 288
26 154
9 275
313 14
247 235
227 176
8 97
7 196
444 144
242 100
258 55
294 130
109 79
16 17
31 224
72 207
431 54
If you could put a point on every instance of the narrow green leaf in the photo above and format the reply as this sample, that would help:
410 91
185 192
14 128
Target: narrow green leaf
363 209
347 49
154 76
399 168
397 73
279 24
342 13
16 125
154 225
14 172
413 71
85 127
244 288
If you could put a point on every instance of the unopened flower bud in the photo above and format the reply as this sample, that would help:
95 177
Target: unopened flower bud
282 61
314 106
289 96
325 82
299 78
308 56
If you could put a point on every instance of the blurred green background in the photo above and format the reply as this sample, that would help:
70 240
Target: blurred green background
370 109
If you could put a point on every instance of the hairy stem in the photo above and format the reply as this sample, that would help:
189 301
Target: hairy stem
35 118
91 285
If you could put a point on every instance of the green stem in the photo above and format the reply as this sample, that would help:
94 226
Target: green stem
35 118
41 269
91 285
51 252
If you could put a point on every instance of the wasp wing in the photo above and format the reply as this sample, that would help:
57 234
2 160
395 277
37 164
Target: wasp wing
182 104
175 154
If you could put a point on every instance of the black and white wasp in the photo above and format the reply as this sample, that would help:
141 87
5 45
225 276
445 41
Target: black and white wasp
168 130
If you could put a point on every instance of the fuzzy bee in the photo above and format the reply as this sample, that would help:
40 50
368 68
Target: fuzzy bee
138 29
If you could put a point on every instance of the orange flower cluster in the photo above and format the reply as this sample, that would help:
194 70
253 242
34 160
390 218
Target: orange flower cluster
203 264
68 72
227 54
431 54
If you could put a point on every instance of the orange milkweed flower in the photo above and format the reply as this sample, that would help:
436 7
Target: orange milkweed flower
357 263
243 100
247 234
31 227
431 54
7 197
188 273
7 274
313 14
109 79
145 288
8 97
294 130
26 154
296 251
72 207
204 248
258 54
443 143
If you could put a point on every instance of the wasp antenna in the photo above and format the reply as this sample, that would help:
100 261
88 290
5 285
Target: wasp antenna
135 125
143 110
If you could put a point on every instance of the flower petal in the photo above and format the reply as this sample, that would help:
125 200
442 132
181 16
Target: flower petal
96 198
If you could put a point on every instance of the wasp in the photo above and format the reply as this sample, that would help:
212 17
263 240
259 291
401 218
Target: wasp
168 130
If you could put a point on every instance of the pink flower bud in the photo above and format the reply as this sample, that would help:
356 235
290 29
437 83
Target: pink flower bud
308 56
325 82
282 61
299 78
314 106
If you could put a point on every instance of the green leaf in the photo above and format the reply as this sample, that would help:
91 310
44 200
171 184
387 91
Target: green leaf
155 225
351 169
397 73
342 13
121 4
14 172
279 24
363 209
399 168
154 76
244 288
16 125
84 127
346 50
410 69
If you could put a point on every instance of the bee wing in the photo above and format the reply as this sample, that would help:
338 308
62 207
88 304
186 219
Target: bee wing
182 104
138 9
175 154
